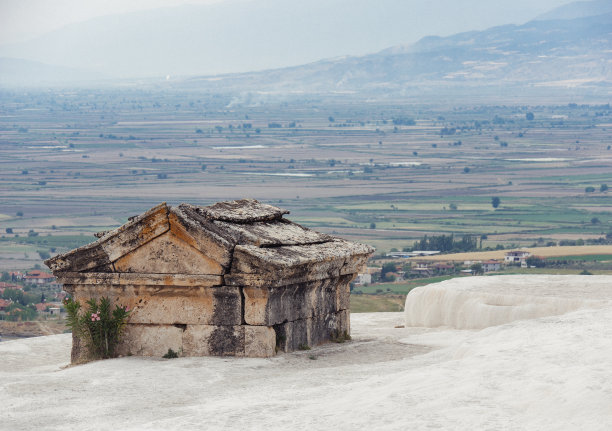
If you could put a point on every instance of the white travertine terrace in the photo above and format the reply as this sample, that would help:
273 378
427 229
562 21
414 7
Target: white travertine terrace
480 302
546 374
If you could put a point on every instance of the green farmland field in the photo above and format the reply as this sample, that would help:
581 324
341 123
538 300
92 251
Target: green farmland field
87 167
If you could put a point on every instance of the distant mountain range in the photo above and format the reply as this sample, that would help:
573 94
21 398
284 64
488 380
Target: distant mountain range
247 35
568 53
568 47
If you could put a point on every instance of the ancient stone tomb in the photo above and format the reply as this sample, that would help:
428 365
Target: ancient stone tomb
234 278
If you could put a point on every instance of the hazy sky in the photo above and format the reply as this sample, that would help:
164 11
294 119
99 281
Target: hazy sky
21 20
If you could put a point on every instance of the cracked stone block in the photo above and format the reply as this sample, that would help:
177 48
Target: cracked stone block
171 305
273 305
208 340
150 340
313 331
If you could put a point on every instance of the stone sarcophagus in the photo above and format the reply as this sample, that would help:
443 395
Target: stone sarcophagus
234 278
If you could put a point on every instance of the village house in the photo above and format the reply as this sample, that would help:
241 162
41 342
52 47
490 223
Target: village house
232 279
54 311
421 268
516 257
38 277
443 267
367 276
362 279
4 286
491 265
48 308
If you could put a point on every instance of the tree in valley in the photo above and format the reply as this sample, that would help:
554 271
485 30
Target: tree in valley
477 268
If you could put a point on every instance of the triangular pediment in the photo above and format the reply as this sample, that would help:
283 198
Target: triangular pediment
100 255
160 241
167 254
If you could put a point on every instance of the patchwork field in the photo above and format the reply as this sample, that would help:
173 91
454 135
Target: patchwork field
585 252
382 172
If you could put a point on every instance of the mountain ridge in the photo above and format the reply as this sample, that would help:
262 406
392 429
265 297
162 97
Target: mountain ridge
547 55
256 35
578 55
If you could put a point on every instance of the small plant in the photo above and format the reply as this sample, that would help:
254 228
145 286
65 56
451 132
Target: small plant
312 357
171 354
340 337
304 347
98 327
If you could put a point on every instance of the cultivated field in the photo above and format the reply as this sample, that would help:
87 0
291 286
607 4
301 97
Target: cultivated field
382 172
603 252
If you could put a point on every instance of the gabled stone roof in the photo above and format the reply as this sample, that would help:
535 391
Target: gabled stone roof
243 241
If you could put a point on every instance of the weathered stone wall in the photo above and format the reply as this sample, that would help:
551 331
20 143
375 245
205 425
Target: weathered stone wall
198 320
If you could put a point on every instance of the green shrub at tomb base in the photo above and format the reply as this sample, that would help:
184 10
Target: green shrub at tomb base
98 327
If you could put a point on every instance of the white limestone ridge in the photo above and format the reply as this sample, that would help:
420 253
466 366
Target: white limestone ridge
481 302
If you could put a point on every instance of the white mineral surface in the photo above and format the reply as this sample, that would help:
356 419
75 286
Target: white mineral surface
536 370
481 302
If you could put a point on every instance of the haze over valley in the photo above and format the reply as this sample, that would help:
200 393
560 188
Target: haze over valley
392 36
